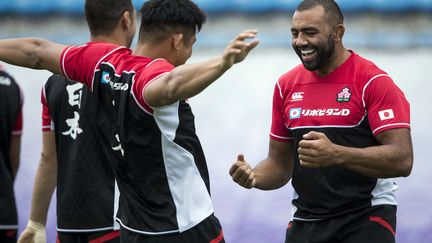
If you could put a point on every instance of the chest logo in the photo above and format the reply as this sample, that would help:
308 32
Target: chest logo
344 95
295 113
106 78
297 96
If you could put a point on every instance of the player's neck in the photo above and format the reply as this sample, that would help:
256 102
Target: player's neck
151 50
113 39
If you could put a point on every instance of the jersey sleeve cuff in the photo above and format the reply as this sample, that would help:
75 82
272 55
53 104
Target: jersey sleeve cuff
390 126
280 138
16 133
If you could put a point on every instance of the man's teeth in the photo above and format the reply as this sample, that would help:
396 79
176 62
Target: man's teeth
307 52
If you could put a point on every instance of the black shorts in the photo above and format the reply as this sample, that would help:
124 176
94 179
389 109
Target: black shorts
91 237
208 231
8 235
373 225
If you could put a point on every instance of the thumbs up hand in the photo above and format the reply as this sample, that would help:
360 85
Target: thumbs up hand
242 173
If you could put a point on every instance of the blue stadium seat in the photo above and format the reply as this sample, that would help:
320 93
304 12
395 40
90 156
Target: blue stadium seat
219 6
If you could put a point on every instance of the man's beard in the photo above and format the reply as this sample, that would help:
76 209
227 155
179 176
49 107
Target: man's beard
324 55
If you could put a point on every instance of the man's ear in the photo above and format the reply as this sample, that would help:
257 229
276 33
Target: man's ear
339 32
126 20
177 41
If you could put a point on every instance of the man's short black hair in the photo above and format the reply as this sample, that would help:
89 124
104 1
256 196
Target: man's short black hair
103 15
331 9
160 18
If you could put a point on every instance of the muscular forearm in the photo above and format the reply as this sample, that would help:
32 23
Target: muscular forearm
270 176
186 81
384 161
276 170
273 172
44 185
393 157
191 79
21 52
32 53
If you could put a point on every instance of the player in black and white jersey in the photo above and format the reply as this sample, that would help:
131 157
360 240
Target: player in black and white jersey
161 170
73 157
11 100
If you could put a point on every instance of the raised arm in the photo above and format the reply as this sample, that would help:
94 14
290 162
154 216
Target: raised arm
272 173
44 185
32 53
188 80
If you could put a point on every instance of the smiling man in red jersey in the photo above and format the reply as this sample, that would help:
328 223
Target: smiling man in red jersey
340 132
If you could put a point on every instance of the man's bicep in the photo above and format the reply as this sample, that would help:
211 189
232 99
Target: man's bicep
398 149
49 54
155 93
400 137
153 83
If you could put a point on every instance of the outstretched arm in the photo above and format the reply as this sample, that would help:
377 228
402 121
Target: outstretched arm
32 53
188 80
392 158
44 185
272 173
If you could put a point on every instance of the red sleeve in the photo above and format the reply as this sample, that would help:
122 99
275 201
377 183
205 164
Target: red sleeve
46 116
17 128
386 105
79 63
278 129
151 72
18 125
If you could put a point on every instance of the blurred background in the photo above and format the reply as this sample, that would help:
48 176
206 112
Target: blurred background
233 115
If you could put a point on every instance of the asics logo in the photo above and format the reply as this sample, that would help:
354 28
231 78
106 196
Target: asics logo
297 96
119 86
106 79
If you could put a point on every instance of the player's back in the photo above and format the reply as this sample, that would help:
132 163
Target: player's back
85 184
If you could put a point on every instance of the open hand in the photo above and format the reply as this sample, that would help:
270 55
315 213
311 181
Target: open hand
239 48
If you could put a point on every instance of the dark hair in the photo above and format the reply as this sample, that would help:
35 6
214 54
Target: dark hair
159 18
103 15
331 9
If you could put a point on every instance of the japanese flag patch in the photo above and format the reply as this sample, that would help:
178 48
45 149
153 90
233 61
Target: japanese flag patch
386 114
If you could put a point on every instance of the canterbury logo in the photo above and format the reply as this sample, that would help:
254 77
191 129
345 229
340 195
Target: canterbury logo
297 96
